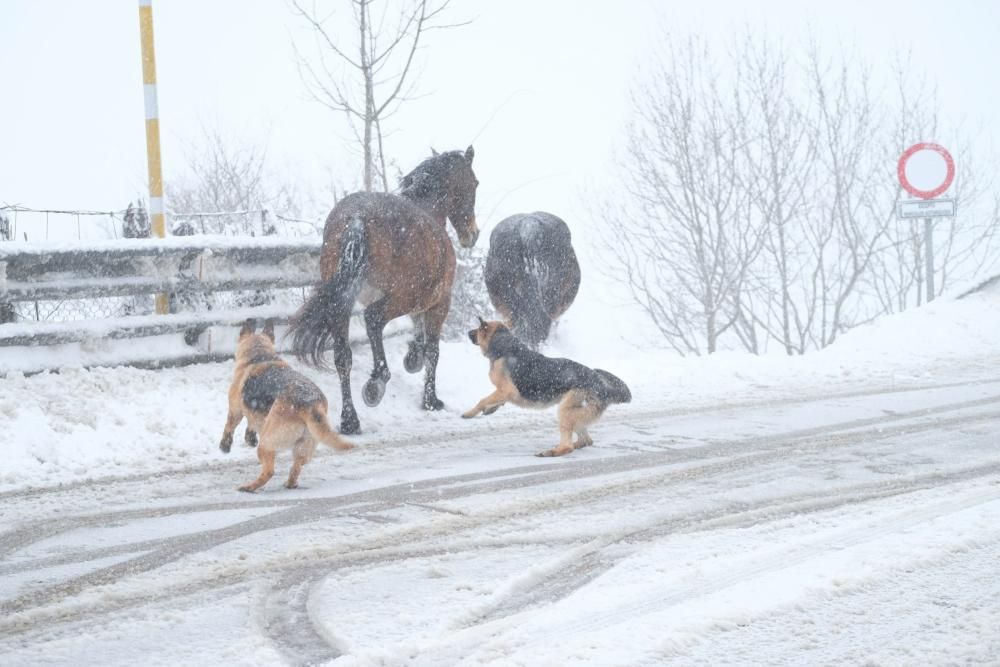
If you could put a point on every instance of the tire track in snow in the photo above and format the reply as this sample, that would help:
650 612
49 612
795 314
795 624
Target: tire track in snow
444 489
287 622
158 552
513 614
595 561
22 537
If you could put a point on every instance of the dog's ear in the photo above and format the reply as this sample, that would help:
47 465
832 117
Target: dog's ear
248 328
269 328
482 322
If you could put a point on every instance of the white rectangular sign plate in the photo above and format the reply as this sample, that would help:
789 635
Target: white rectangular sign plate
926 208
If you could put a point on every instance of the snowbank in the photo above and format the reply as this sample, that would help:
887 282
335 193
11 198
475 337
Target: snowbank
79 424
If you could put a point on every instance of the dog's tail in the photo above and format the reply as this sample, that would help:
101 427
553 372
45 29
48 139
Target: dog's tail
329 307
320 429
613 389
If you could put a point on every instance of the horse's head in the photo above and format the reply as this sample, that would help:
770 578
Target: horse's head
447 185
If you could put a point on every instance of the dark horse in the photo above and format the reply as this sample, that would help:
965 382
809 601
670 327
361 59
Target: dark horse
531 273
392 253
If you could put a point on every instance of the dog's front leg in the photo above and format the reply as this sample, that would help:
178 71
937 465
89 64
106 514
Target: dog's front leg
232 421
488 405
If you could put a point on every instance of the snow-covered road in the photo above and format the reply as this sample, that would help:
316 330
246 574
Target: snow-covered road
847 524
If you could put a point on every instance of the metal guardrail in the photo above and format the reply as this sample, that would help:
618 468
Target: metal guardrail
39 271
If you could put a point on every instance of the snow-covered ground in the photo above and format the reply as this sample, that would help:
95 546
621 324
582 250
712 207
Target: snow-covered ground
836 508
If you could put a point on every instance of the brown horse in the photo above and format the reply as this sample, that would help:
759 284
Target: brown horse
392 253
531 273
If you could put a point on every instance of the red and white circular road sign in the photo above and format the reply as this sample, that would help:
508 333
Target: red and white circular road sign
931 157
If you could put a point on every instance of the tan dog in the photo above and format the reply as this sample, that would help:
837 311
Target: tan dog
532 380
285 407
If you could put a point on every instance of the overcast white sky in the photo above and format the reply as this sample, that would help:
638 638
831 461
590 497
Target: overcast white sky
71 117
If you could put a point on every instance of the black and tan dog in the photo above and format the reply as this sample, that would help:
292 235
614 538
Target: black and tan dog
532 380
285 407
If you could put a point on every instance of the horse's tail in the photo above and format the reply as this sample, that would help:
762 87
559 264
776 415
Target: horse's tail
533 322
330 304
613 389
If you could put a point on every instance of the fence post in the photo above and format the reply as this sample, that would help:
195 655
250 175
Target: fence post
157 224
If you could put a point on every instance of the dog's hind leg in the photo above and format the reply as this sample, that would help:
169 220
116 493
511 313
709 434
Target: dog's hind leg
266 456
303 452
280 430
589 411
576 411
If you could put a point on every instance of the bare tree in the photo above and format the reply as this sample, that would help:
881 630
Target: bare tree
682 243
228 189
370 79
779 141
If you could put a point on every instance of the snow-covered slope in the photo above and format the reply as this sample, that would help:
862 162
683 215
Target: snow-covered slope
78 424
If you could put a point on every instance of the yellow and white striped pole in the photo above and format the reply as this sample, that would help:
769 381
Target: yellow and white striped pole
152 131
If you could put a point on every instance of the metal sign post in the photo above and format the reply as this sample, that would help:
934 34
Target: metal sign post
927 207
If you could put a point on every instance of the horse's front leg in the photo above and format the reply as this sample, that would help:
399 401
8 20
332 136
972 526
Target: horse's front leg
431 401
433 323
375 319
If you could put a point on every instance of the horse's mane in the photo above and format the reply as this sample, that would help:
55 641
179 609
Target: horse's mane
426 179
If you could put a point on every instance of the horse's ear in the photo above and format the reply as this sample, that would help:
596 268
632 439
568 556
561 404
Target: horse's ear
434 153
269 328
469 154
248 328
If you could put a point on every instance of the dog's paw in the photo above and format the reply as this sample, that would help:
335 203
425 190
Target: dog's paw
246 488
469 415
490 410
291 486
555 451
250 438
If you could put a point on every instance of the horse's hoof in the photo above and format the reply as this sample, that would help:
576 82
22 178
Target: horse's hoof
433 404
413 362
373 392
350 425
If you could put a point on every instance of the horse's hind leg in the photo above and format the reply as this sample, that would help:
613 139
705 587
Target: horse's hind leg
342 360
414 359
375 321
